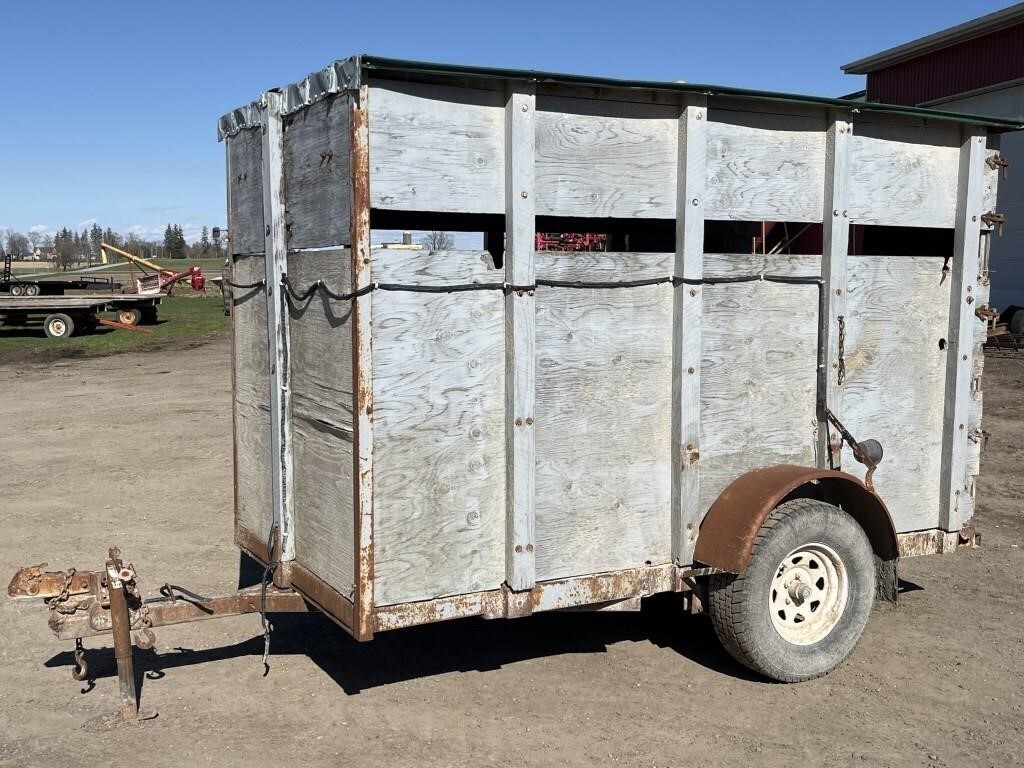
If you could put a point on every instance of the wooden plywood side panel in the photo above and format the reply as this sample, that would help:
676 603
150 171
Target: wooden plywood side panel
436 148
746 264
606 158
318 174
764 167
603 418
903 176
758 390
322 488
251 398
245 179
320 335
439 430
895 378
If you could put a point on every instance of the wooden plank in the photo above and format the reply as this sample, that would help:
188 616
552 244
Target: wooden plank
362 373
318 174
962 320
323 501
991 178
245 192
759 381
275 266
320 333
434 268
743 264
437 148
687 322
895 377
835 244
603 444
600 266
439 429
250 404
764 167
520 335
903 176
606 159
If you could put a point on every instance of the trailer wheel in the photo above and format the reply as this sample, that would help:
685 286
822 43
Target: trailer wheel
129 316
17 290
32 289
150 316
802 603
58 326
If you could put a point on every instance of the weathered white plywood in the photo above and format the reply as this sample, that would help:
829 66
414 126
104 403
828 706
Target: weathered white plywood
758 394
606 159
320 332
439 429
895 378
687 327
962 324
604 362
743 264
245 191
520 341
318 174
764 167
436 148
251 398
903 176
991 175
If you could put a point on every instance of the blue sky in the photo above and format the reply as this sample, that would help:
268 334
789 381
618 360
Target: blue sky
109 108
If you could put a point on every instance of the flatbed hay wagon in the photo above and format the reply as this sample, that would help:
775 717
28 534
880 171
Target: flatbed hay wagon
63 316
424 435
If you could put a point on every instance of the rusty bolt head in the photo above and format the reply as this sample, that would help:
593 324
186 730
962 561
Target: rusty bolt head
974 218
693 291
961 427
689 446
529 547
965 357
695 201
844 214
835 212
519 422
529 421
690 369
689 526
524 194
519 547
970 299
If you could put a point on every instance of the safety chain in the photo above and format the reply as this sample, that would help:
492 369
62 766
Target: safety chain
841 376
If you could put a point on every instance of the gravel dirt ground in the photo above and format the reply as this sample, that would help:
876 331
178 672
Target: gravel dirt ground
135 450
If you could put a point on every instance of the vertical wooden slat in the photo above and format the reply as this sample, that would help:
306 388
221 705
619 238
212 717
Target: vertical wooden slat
686 328
362 421
835 244
276 265
520 340
959 364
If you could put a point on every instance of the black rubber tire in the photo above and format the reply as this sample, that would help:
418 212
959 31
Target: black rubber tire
1016 324
58 326
150 316
17 290
129 316
739 605
32 289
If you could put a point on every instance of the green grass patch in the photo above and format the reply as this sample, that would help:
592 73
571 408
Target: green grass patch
184 321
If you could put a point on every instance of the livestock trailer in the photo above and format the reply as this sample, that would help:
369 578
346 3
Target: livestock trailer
497 430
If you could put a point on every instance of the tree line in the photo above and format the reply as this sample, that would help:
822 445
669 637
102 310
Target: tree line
68 247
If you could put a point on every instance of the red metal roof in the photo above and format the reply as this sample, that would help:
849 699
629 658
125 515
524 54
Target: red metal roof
994 58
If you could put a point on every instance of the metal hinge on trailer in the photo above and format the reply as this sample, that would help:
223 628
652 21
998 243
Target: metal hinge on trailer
993 219
996 162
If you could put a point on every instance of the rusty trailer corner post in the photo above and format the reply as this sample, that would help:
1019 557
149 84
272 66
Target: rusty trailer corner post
362 417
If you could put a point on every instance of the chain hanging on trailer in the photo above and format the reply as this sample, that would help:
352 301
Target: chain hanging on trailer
841 375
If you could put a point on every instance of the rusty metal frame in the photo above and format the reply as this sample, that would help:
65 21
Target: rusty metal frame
362 411
727 534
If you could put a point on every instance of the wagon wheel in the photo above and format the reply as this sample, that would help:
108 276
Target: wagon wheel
799 608
58 326
129 316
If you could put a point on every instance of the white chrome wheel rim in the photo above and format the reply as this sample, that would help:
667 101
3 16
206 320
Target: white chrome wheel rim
808 594
57 327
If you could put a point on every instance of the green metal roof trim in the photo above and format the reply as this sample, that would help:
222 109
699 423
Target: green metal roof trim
346 74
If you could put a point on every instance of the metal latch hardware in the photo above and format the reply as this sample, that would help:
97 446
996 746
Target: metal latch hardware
993 219
997 161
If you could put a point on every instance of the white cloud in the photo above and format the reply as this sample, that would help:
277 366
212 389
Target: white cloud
87 223
42 229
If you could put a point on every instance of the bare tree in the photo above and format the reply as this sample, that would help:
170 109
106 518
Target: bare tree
438 241
18 245
35 237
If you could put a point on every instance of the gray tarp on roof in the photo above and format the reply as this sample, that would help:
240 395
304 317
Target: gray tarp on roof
346 74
